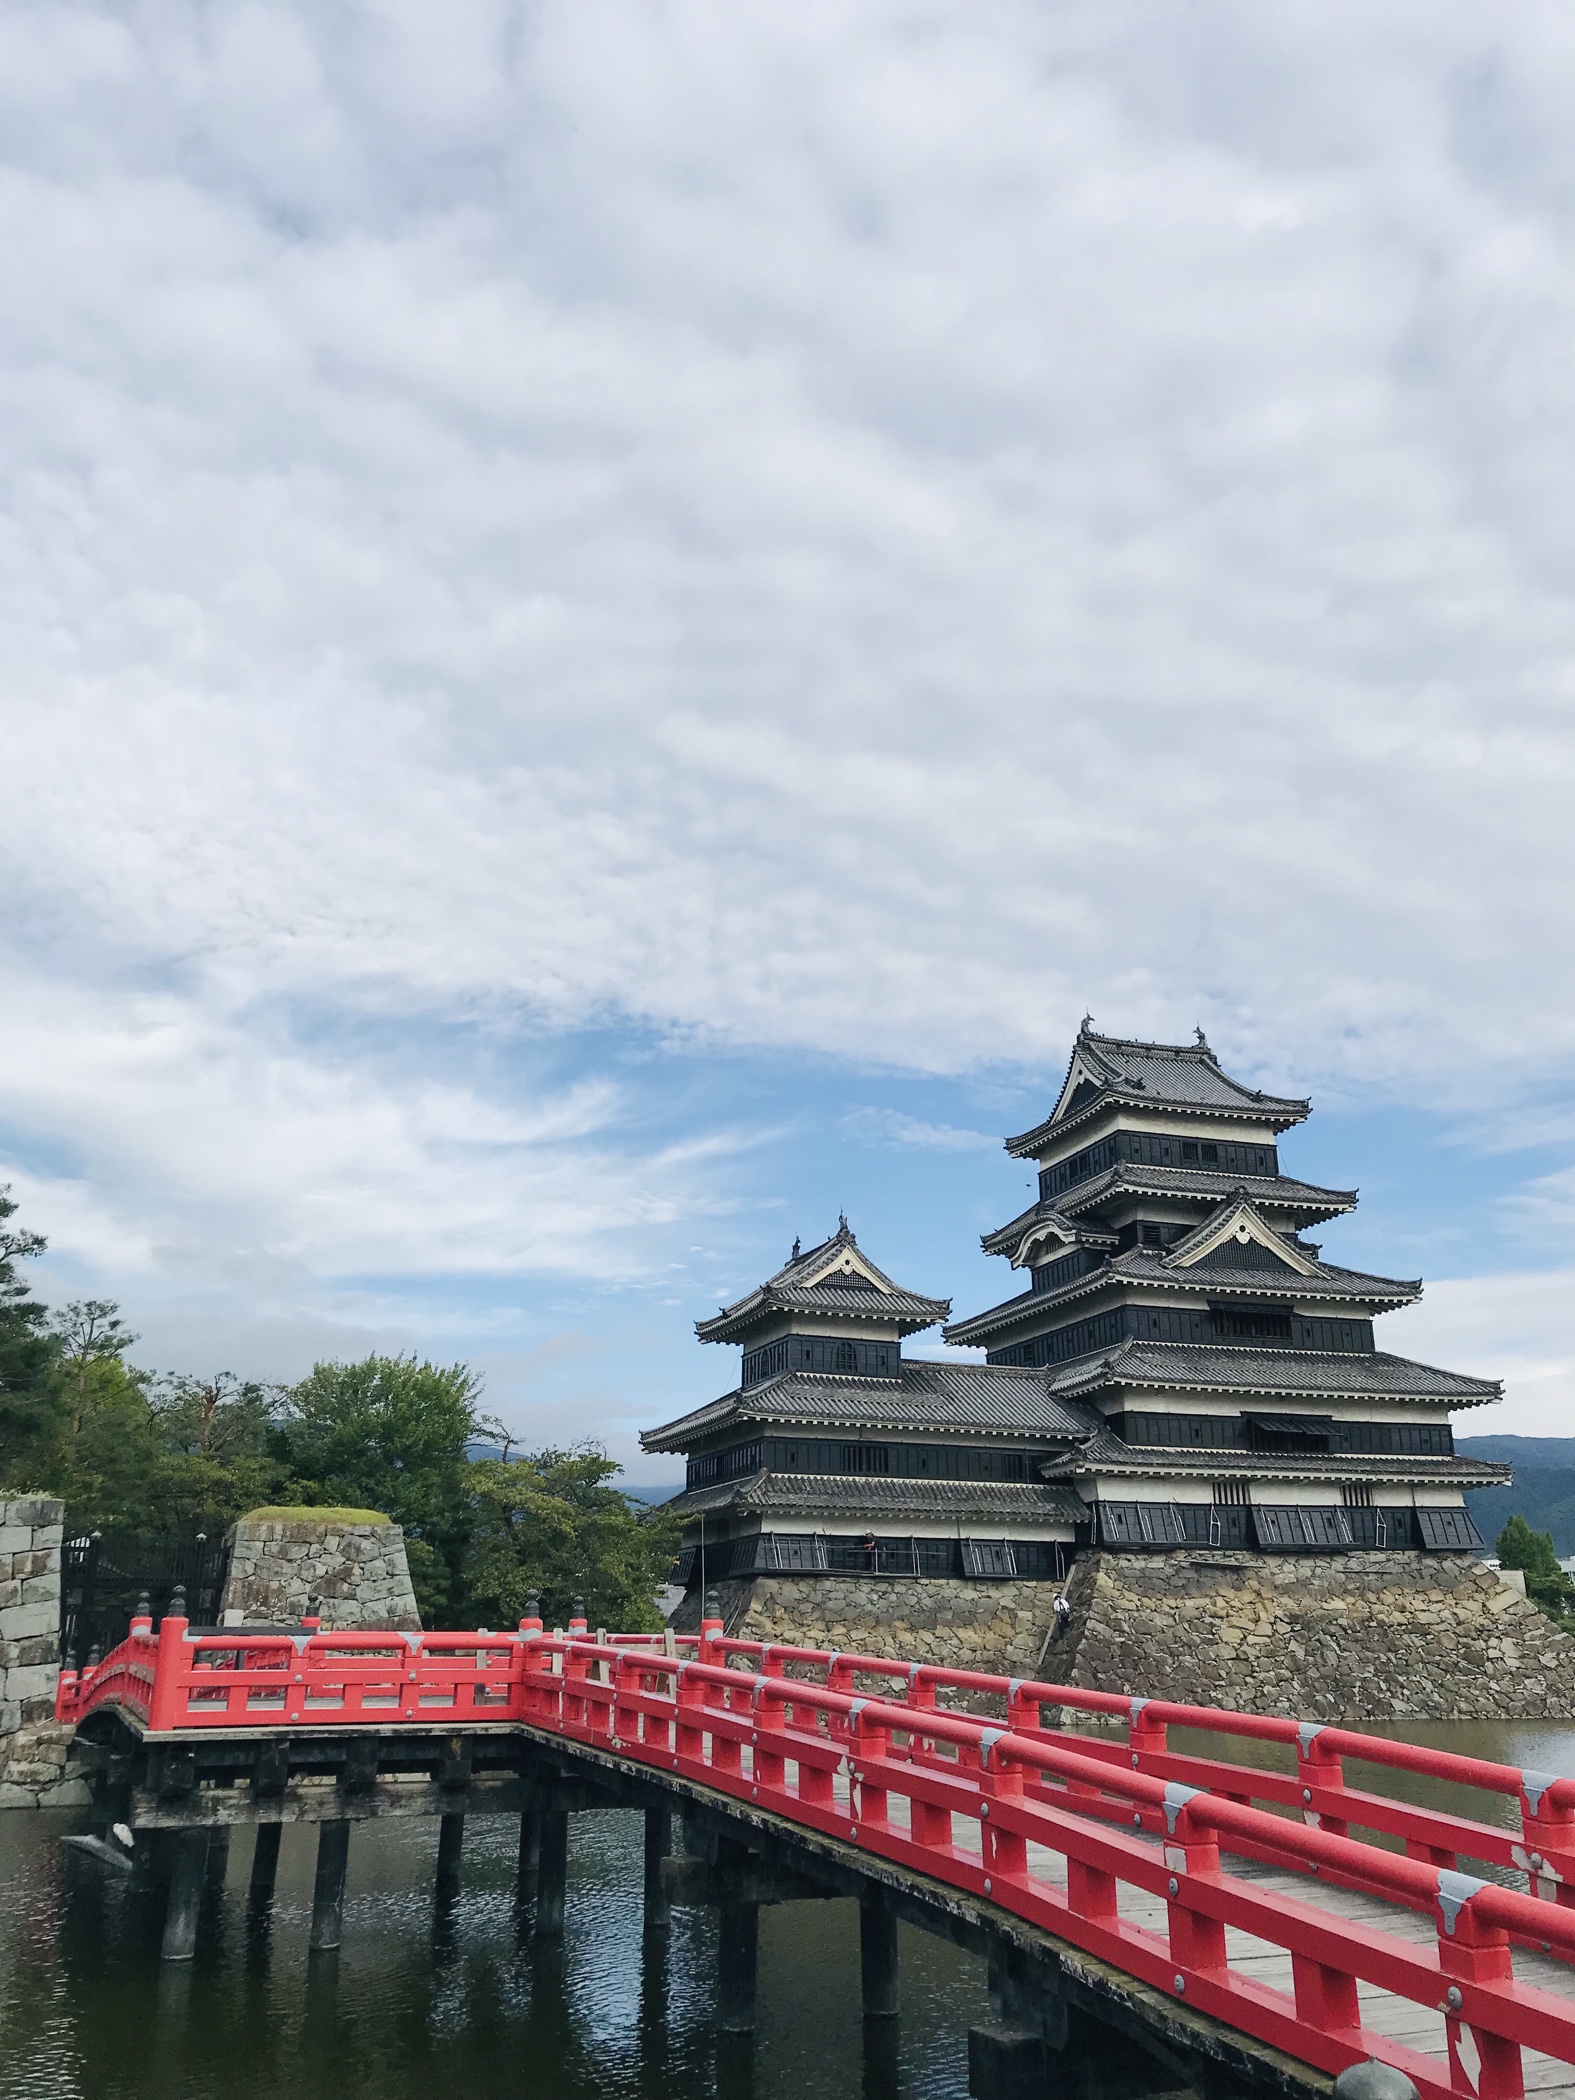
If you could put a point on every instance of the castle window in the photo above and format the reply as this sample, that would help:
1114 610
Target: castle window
847 1357
866 1458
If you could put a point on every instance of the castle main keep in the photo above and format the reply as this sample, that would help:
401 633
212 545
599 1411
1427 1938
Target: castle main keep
1184 1418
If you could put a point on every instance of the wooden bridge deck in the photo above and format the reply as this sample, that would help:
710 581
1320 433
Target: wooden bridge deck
1399 2019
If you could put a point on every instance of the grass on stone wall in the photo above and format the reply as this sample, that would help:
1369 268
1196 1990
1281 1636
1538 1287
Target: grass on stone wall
311 1513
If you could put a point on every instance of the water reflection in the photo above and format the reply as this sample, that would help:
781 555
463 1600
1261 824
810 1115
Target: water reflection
447 1991
438 1990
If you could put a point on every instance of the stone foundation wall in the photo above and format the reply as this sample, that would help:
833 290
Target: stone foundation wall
359 1573
1352 1637
1000 1626
35 1768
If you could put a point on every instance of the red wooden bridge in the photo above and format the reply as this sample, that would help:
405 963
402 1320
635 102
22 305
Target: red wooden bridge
1332 1924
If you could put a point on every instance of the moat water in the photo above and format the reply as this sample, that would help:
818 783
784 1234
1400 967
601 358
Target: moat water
428 2000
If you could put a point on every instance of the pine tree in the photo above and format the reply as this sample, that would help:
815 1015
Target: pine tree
29 1356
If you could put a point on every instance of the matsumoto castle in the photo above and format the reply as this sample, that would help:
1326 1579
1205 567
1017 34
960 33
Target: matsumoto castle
1181 1369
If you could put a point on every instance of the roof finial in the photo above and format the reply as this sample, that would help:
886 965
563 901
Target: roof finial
1203 1041
794 1255
842 1221
1088 1025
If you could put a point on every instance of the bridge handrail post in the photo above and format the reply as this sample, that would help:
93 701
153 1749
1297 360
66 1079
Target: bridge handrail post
1147 1734
574 1707
1547 1830
537 1701
627 1677
1001 1781
171 1675
1474 1951
1197 1941
869 1742
1320 1769
689 1740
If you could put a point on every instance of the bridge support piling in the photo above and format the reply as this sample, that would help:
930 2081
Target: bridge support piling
553 1874
530 1857
328 1891
658 1845
737 1966
878 1956
451 1842
218 1855
265 1862
188 1866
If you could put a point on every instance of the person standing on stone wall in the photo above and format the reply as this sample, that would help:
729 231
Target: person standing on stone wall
1063 1613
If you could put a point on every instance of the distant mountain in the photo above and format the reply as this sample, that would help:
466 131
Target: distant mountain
1520 1451
1544 1488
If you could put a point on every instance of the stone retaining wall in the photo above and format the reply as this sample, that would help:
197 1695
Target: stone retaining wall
359 1574
1354 1637
35 1770
1000 1626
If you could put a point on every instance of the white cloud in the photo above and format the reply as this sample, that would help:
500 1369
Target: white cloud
211 1151
865 528
1514 1327
889 1126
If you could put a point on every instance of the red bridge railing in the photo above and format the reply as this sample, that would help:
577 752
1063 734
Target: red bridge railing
1047 1823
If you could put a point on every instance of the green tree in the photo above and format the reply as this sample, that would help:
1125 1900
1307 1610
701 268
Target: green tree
29 1359
218 1454
1547 1585
390 1434
549 1523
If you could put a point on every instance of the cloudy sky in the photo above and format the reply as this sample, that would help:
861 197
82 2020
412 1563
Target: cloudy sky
615 616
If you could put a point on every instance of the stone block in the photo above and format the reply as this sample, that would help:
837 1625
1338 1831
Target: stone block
33 1687
23 1622
67 1793
15 1538
37 1512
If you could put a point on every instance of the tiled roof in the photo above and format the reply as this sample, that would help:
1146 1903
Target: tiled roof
1108 1454
794 1289
1006 1238
1229 1368
837 1495
928 1396
1145 1265
1176 1075
1268 1191
1072 1207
